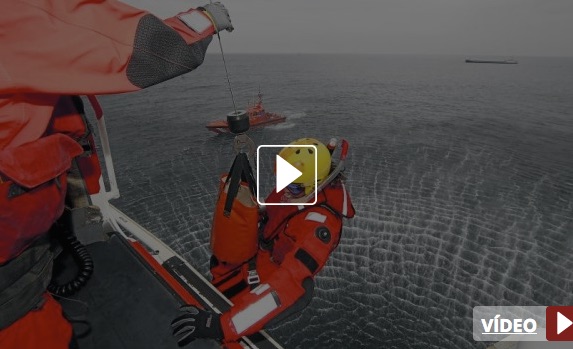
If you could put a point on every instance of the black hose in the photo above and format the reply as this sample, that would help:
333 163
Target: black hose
84 261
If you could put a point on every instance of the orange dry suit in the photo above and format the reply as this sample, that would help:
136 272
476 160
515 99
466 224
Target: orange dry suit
296 244
51 50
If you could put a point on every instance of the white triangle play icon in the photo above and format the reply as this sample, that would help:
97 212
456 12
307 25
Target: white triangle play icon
286 173
563 323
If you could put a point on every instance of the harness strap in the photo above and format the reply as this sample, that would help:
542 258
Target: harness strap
240 171
235 289
253 278
226 278
23 280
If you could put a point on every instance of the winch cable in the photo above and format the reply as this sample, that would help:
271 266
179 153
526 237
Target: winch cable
225 65
241 169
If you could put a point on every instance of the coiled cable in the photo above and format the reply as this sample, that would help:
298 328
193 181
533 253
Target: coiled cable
85 264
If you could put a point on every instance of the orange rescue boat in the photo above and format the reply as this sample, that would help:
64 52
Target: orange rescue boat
258 117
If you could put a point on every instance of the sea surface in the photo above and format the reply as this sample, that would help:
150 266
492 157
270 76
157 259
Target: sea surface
461 176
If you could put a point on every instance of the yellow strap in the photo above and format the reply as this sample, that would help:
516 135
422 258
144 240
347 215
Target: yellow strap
212 21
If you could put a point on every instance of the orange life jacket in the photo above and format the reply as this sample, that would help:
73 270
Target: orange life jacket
334 197
69 118
33 189
234 238
299 242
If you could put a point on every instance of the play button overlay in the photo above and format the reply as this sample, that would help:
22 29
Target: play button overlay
286 173
559 323
275 173
563 323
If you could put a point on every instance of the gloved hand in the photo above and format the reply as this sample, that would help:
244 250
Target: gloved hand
219 16
195 323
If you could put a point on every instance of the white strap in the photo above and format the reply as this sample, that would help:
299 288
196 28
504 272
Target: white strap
195 20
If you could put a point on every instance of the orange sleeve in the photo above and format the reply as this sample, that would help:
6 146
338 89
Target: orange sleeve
91 47
253 310
290 282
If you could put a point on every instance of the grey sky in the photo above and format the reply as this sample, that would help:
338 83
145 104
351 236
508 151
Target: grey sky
464 27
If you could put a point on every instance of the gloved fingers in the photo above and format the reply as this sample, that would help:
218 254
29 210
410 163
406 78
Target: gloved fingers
184 330
182 320
185 335
193 323
230 27
188 316
219 15
191 309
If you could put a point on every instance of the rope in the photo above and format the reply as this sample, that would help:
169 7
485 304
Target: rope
224 62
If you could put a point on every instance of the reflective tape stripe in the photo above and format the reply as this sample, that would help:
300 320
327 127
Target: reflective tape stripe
260 289
196 21
254 313
345 202
315 216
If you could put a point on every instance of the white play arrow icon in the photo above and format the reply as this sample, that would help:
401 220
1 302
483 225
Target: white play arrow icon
286 173
563 323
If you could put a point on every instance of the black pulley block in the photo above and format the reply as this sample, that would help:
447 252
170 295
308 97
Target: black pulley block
238 121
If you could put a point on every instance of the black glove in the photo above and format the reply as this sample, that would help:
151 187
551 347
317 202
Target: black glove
219 16
195 323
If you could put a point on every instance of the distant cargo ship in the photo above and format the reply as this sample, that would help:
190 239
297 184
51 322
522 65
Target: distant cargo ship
505 61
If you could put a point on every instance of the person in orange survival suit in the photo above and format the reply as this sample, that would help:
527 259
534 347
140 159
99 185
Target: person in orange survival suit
53 50
296 243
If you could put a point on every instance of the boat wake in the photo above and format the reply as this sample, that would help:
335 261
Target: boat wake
283 126
289 123
294 114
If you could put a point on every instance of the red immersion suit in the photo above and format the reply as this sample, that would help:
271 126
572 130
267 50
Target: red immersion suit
51 50
279 281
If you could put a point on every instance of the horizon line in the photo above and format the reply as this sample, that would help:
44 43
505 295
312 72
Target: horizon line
388 54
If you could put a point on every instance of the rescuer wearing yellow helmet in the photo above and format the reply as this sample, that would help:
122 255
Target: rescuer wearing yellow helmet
294 243
302 158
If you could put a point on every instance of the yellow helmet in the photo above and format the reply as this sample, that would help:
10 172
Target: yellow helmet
303 160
